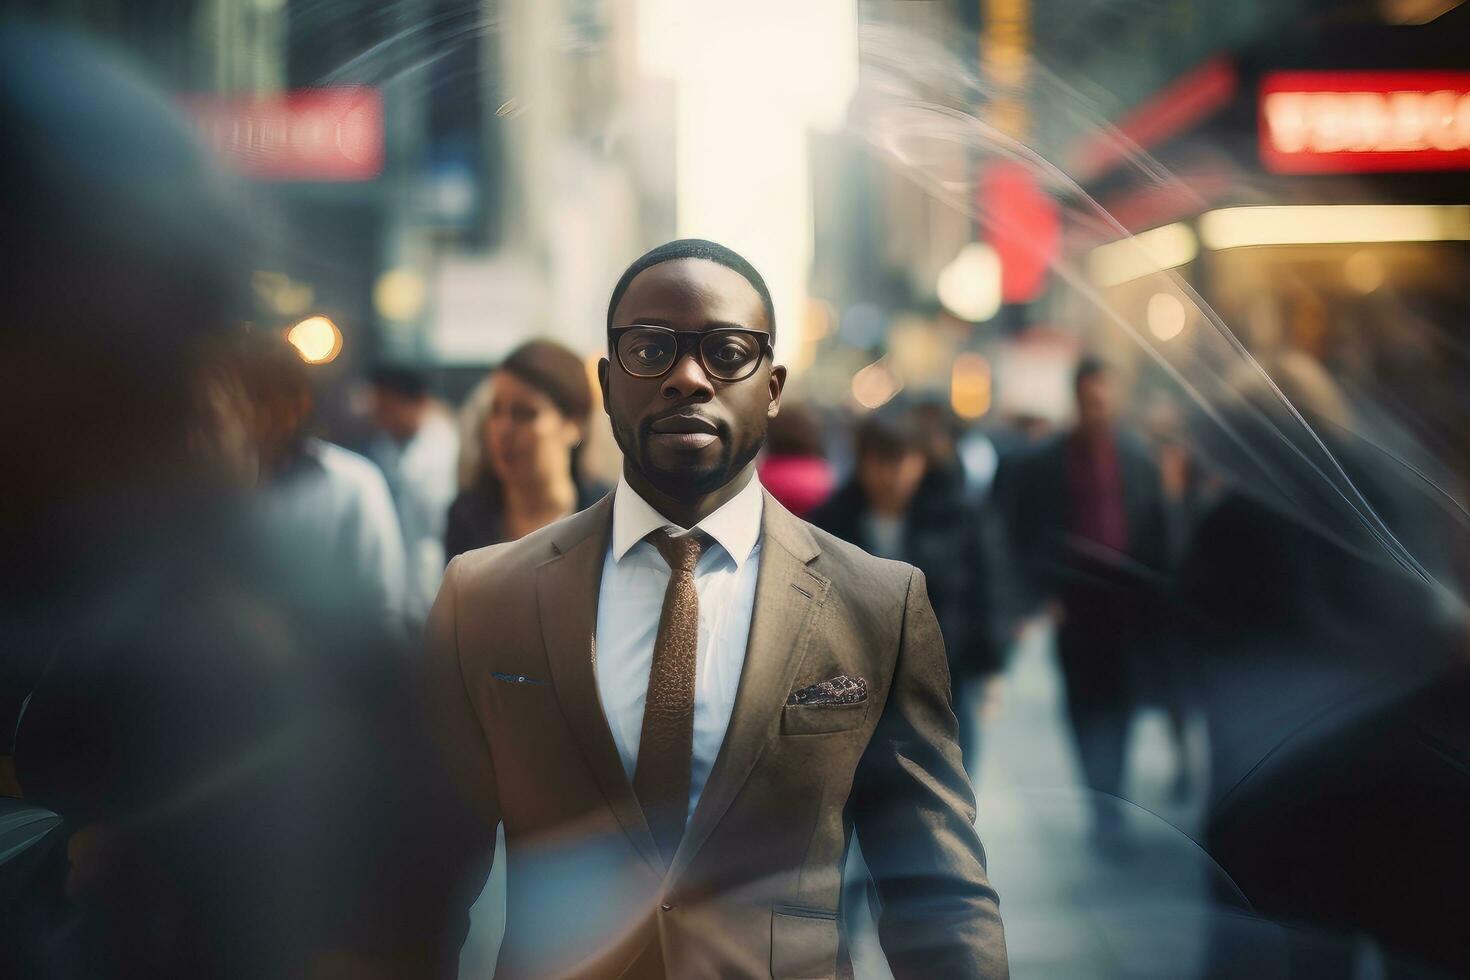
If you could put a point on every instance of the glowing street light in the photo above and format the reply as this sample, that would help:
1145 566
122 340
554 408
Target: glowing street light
969 287
316 339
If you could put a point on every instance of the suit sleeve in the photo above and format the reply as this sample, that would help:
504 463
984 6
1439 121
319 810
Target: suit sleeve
462 807
915 816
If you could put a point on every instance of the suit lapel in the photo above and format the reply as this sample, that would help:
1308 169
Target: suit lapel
567 588
787 593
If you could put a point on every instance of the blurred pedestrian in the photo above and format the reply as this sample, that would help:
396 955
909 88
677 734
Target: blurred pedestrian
901 504
795 469
528 440
417 448
1337 692
214 728
1086 523
1164 668
331 504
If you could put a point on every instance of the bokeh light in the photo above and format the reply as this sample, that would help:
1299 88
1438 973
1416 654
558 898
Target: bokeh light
1166 316
316 339
875 385
970 286
399 295
969 391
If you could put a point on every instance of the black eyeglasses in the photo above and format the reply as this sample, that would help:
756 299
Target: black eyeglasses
725 353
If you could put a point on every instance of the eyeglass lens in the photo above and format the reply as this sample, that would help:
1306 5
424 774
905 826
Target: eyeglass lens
725 354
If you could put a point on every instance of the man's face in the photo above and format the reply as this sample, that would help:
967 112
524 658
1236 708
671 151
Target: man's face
889 481
1097 401
686 433
395 414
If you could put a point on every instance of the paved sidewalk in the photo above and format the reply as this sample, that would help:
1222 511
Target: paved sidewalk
1071 912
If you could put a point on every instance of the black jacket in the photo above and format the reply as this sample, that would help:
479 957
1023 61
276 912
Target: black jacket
1036 498
476 519
957 548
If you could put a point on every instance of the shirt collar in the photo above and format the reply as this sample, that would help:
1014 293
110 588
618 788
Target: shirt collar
736 525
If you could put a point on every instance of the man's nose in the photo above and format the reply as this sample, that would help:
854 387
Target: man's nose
686 379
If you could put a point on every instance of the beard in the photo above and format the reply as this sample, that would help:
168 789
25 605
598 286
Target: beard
699 477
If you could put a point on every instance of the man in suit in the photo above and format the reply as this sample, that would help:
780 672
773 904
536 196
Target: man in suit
681 701
1086 522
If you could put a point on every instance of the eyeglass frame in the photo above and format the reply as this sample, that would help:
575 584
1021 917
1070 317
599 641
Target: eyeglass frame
767 346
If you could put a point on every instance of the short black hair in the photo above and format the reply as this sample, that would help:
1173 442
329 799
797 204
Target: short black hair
695 248
888 433
405 381
1091 366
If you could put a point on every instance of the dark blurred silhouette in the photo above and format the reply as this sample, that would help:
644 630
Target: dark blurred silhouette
529 440
1336 692
1162 668
795 469
1086 524
899 505
212 711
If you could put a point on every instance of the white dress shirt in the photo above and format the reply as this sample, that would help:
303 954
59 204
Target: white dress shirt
634 579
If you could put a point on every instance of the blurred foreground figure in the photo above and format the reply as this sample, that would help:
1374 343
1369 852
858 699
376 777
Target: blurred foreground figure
418 449
530 432
210 713
1337 691
682 701
897 505
1087 527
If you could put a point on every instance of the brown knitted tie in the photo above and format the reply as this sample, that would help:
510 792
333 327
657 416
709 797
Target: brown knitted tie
665 749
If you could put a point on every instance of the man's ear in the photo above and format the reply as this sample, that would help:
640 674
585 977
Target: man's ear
603 367
777 383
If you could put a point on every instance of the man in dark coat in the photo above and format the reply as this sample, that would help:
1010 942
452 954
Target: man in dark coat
1086 522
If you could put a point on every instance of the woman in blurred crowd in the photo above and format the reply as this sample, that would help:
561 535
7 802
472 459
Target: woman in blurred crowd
528 444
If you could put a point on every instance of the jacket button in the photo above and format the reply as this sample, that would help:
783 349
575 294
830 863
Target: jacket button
667 907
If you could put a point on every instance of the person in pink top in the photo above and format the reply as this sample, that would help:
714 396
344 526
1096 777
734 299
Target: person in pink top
795 469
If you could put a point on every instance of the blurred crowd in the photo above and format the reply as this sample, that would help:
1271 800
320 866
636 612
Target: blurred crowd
205 722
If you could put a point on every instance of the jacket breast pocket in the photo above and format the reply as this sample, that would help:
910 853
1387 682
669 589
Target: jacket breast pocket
822 719
803 943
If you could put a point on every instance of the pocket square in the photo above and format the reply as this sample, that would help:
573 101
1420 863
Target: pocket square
838 690
515 678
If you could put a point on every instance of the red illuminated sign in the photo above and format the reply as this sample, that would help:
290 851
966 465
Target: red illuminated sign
1362 122
313 134
1023 224
1183 104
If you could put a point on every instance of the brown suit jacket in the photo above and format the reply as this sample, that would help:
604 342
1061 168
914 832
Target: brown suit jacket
755 886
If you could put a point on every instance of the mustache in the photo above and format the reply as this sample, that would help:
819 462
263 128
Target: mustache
721 427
